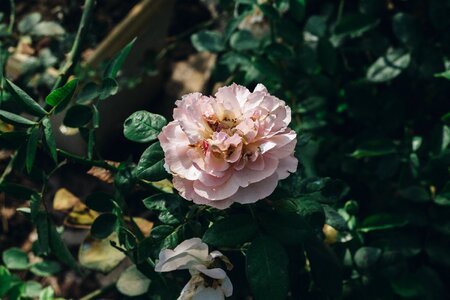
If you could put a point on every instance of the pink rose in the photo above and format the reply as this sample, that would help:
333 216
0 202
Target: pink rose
233 147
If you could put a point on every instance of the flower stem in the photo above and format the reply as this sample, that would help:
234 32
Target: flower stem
75 52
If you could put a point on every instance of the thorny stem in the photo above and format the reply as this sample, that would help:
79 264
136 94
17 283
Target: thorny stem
75 52
82 160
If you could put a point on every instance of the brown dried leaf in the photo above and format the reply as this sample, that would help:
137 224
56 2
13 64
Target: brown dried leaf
144 225
5 127
103 174
5 154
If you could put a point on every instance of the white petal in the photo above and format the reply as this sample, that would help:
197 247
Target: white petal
216 273
186 255
227 287
209 293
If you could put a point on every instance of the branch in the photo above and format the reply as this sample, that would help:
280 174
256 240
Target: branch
75 52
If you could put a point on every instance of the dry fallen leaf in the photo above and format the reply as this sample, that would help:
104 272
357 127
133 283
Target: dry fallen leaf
80 217
5 154
144 225
99 255
64 200
103 174
5 127
164 185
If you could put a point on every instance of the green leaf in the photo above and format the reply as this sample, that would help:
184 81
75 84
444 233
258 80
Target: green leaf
89 92
28 22
6 280
47 294
422 283
95 117
132 282
28 103
406 29
267 269
43 230
45 268
310 210
47 28
50 138
149 158
445 75
100 202
415 193
108 88
287 227
62 95
77 116
60 250
171 241
161 231
382 221
143 126
325 267
15 259
31 289
231 231
297 9
243 40
316 25
116 63
374 148
15 119
32 147
437 250
327 56
158 202
354 25
334 219
207 40
104 225
367 257
388 66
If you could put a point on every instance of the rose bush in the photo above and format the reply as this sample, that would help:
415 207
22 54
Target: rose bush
233 147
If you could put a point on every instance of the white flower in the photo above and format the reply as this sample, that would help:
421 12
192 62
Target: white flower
208 282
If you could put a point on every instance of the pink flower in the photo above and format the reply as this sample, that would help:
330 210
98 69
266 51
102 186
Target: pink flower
233 147
208 282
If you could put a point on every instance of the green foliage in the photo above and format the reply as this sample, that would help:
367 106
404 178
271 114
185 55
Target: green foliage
143 126
266 268
231 231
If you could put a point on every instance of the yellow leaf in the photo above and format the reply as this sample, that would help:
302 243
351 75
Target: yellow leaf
330 234
164 185
80 217
5 127
99 255
64 200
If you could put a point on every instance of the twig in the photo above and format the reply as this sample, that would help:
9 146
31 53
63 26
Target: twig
75 52
12 15
98 293
82 160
